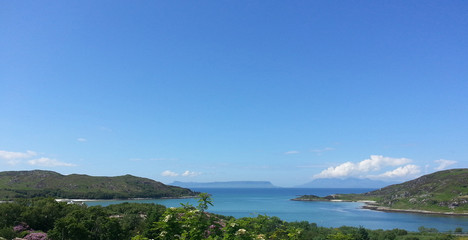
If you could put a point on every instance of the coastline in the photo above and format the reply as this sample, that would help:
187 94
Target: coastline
78 200
387 209
372 205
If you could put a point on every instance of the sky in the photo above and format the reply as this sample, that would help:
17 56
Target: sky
202 91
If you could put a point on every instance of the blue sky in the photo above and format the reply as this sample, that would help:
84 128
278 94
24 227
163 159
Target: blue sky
283 91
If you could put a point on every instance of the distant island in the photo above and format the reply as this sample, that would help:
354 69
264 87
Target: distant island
39 183
443 192
230 184
344 183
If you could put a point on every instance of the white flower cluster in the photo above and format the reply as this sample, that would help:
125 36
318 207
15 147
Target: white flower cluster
241 231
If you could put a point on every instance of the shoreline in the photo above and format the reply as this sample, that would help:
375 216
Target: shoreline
396 210
78 200
372 205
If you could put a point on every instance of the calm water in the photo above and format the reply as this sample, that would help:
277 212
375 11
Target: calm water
276 202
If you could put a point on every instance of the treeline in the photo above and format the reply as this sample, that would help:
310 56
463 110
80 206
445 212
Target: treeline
44 218
57 193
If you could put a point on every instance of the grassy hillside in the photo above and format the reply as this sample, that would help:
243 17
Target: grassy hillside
441 191
38 183
444 191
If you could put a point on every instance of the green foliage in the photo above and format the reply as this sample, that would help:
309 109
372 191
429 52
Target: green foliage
42 213
187 222
443 191
423 229
38 183
10 214
362 234
8 233
340 236
149 221
204 199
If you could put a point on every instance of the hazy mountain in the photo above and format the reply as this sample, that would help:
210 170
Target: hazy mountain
345 183
231 184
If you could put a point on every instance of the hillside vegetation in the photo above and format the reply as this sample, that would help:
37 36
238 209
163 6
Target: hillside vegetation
443 191
38 183
47 219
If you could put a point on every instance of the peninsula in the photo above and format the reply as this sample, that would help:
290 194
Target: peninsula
443 192
39 183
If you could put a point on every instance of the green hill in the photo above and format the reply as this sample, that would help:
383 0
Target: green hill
443 191
38 183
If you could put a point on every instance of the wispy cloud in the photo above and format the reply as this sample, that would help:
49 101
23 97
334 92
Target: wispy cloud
169 173
48 162
16 158
409 170
16 155
190 174
291 152
81 139
350 169
443 164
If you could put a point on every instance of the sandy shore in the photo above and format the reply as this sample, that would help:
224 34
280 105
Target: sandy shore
372 205
387 209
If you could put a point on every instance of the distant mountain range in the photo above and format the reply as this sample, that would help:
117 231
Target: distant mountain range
345 183
231 184
38 183
317 183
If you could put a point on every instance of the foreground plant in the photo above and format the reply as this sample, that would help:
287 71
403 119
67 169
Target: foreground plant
36 236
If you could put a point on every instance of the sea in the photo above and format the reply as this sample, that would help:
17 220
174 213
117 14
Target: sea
250 202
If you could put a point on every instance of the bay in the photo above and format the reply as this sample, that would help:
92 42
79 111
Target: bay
248 202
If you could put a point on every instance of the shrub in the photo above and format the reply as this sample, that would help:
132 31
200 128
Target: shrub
36 236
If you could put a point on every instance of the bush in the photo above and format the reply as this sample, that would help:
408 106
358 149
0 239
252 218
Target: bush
36 236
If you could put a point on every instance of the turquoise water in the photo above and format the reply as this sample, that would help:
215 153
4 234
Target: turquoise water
276 202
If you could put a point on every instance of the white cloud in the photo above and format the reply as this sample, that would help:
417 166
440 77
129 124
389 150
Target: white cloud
401 172
81 139
15 158
16 155
349 169
187 173
190 174
443 164
47 162
291 152
377 161
169 173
